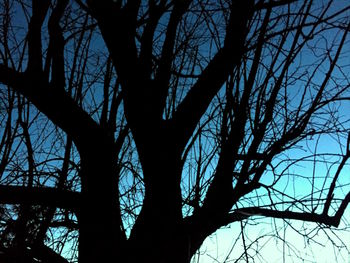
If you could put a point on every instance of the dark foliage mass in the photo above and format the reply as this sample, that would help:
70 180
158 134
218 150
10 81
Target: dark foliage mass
133 130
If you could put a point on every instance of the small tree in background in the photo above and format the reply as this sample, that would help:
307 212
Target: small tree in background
133 130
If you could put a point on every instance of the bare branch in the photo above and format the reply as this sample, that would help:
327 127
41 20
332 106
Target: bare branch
39 196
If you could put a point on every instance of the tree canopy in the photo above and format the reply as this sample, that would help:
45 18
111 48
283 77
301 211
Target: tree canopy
133 130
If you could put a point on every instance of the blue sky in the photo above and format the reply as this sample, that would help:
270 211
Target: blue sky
272 249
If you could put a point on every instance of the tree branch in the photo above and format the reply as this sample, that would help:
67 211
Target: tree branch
56 45
56 104
335 179
220 197
39 196
244 213
40 9
39 253
164 69
272 3
216 73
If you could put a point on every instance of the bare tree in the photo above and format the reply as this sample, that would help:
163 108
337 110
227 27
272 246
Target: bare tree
136 129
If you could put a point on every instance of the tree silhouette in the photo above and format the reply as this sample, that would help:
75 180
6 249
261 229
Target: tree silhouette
142 127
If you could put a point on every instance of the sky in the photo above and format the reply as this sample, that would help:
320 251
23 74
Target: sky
276 240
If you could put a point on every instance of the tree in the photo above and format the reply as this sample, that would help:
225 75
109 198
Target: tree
142 126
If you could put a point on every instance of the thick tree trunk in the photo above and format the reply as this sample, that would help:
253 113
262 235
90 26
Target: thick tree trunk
158 234
163 247
99 217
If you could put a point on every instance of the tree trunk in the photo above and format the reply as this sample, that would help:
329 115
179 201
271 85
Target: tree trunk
168 246
99 216
158 234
